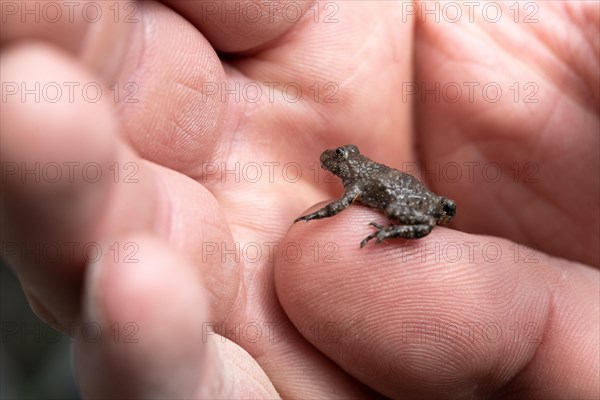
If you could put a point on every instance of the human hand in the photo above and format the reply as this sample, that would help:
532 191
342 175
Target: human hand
175 126
459 315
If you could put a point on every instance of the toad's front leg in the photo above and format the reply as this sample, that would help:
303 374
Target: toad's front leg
334 207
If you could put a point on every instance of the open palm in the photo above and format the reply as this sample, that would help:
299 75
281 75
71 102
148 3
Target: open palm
230 149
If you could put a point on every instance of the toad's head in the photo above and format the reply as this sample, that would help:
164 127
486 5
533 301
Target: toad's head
343 161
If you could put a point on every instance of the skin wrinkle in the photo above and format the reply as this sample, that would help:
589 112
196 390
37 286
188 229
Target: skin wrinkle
508 213
530 188
532 68
512 386
181 136
247 226
550 201
572 68
559 316
164 203
173 130
186 134
242 367
558 57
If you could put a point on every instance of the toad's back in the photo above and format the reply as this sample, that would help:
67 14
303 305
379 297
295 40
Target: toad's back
387 185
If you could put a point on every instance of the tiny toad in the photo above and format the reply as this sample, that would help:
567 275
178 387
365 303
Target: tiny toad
399 195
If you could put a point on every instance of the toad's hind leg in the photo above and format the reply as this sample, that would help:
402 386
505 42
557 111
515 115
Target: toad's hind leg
394 231
415 224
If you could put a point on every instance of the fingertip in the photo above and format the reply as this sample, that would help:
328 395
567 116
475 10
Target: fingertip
157 338
147 308
244 25
46 118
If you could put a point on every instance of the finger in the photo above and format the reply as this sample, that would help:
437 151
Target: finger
53 224
240 26
97 33
152 64
56 159
145 333
451 313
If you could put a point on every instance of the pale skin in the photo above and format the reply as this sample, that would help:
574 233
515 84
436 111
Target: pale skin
363 298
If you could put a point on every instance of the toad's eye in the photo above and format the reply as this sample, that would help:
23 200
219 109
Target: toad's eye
340 152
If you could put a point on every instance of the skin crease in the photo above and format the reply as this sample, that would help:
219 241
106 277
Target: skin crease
359 302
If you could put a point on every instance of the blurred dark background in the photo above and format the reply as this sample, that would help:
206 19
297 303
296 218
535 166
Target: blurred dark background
35 359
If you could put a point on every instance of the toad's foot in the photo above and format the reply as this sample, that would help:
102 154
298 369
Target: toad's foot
322 213
306 218
394 231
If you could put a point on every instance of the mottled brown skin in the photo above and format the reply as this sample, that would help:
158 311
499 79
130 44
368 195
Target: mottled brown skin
399 195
